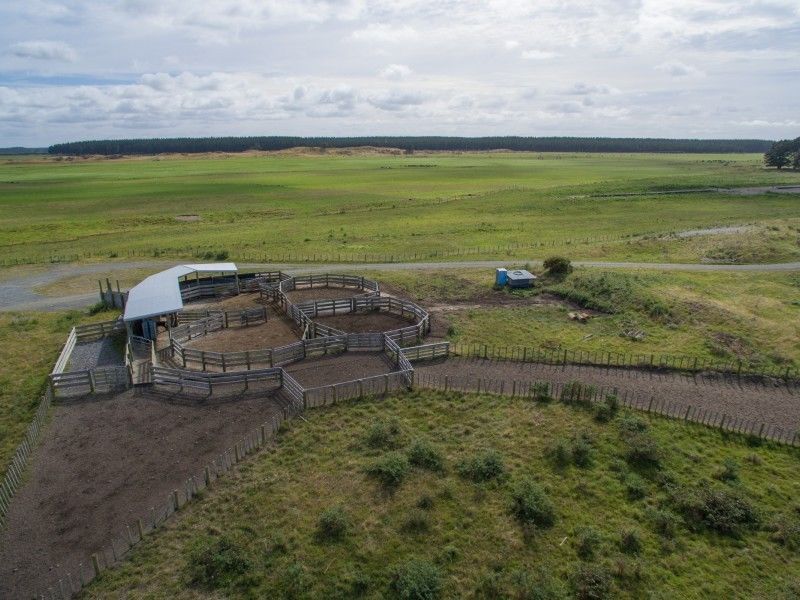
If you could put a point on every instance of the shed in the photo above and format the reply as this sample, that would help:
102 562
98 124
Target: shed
520 278
160 294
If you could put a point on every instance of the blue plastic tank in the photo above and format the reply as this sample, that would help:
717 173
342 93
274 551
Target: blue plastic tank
501 276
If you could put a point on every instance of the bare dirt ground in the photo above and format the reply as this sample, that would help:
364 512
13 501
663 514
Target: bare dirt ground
245 300
342 367
330 293
366 322
103 463
279 330
759 401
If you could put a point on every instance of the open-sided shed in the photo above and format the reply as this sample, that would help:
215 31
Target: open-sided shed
160 294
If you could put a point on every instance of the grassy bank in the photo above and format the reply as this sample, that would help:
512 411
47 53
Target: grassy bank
751 317
431 495
283 206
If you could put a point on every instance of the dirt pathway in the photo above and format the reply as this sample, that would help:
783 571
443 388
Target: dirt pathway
776 405
18 293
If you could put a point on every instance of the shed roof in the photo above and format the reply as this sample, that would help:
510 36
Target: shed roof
160 294
520 274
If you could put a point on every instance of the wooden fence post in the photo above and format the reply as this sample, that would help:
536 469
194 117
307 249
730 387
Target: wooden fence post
96 565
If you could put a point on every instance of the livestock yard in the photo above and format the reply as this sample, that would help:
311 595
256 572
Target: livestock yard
283 427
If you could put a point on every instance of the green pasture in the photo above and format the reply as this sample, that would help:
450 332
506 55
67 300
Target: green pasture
311 519
284 206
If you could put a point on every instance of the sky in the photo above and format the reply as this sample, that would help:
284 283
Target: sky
96 69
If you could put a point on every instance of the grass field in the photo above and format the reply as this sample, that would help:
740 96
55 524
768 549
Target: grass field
283 206
753 317
504 498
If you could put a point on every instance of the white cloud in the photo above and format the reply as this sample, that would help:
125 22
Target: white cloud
44 50
679 69
385 33
395 72
537 55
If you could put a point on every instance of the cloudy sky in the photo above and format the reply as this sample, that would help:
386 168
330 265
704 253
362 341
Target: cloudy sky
92 69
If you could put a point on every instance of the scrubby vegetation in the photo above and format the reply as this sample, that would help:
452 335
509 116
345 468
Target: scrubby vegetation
497 520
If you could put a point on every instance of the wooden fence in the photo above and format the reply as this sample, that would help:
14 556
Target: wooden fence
376 385
13 477
427 351
562 356
206 383
230 318
566 392
85 333
99 380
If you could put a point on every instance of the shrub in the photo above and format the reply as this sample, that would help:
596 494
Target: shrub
635 486
578 394
332 524
531 505
641 449
608 409
384 433
591 582
586 542
786 531
582 451
559 452
664 522
539 585
717 508
729 471
294 582
484 467
216 562
416 522
359 584
98 307
390 470
631 424
425 502
424 455
557 265
541 392
630 541
416 580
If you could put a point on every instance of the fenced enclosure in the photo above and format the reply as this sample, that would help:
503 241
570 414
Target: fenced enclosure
563 356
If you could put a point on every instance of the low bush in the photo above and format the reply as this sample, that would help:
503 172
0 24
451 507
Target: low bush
294 582
537 585
541 392
416 580
98 307
424 455
729 471
578 394
531 505
721 509
483 467
607 410
332 524
557 265
786 531
587 541
425 502
591 582
416 522
635 486
630 541
559 452
384 434
664 522
641 448
216 562
390 470
582 451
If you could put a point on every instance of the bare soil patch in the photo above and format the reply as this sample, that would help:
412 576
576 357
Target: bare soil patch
766 401
277 331
187 218
103 463
322 293
339 368
246 300
365 322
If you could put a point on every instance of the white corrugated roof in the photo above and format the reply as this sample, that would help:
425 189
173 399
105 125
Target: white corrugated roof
160 294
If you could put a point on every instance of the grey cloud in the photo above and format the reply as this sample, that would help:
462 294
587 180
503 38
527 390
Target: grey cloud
44 50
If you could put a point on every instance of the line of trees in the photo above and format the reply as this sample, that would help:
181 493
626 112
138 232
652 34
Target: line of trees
409 144
783 153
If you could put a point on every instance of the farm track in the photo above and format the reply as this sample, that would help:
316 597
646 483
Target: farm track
760 401
18 294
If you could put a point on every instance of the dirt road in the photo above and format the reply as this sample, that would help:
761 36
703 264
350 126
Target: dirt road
19 293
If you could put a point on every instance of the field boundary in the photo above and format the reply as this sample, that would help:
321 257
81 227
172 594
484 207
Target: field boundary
643 361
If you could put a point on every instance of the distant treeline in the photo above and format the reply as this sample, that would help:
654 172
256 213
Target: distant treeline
783 153
21 150
409 144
